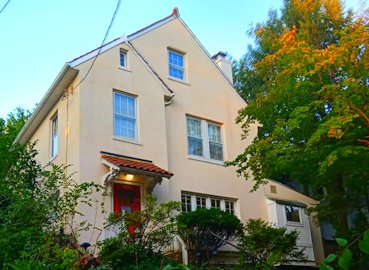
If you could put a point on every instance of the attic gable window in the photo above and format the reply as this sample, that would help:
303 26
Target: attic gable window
123 58
176 65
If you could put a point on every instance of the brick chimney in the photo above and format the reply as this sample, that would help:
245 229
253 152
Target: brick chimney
225 65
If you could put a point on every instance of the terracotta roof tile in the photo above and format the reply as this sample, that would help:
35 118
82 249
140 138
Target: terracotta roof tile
137 164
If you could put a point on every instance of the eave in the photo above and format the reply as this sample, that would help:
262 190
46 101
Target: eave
52 96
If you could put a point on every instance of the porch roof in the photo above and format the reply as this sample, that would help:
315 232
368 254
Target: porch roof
135 165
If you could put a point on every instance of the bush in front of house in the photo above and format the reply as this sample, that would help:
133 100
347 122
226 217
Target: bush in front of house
205 231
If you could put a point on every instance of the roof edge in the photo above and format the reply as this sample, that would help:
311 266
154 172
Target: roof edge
54 93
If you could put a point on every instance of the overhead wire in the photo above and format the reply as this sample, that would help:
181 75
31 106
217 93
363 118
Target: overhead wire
102 43
4 6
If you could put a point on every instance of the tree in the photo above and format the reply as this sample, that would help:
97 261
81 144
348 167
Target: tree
198 229
9 130
37 212
270 245
141 236
309 92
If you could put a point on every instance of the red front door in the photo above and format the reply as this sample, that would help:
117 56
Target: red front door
127 198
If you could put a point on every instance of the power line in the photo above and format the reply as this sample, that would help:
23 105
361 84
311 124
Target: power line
4 6
102 43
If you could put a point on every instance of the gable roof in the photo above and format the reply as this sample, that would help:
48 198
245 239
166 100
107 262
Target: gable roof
87 56
69 72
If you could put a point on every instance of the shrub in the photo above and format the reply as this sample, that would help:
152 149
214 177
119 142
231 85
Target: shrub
205 230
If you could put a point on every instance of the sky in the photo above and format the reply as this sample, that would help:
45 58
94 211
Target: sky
38 37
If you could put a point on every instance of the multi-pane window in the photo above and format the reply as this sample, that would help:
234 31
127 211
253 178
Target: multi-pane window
176 64
125 122
186 203
229 207
204 139
200 202
292 213
54 136
123 58
215 203
193 201
215 142
194 137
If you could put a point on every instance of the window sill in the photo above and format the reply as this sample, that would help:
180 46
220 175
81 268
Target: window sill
179 80
125 68
117 138
294 224
211 161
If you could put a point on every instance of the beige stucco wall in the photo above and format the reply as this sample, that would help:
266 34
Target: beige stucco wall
67 110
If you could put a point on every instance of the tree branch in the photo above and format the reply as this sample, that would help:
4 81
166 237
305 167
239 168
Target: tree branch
362 114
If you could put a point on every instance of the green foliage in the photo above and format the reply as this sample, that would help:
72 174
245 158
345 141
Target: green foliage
270 245
141 236
198 228
351 256
38 207
306 82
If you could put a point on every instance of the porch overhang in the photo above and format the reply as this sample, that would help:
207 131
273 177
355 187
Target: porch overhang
131 165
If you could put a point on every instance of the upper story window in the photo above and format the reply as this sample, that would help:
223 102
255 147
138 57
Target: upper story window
292 213
125 122
204 139
176 65
54 136
123 58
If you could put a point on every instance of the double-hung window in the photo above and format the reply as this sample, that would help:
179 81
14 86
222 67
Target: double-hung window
54 136
176 65
125 120
204 139
195 144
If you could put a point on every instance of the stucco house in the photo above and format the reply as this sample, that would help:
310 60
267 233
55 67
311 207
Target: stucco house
156 114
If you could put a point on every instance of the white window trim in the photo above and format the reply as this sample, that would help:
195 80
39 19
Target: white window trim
53 152
293 223
178 67
122 138
205 141
208 199
126 66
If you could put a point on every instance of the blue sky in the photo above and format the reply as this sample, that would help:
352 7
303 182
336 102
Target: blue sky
39 37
